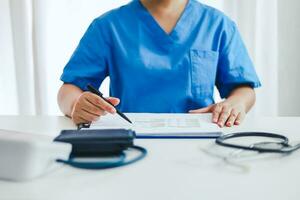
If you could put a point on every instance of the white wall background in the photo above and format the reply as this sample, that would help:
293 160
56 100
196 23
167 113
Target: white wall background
7 73
29 86
289 57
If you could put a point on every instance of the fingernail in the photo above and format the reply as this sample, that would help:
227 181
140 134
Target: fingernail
113 110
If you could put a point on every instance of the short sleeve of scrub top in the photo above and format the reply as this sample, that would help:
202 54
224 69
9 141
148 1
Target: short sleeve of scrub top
158 72
88 64
235 67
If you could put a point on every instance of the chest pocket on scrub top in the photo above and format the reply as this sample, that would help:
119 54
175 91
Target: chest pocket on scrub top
203 72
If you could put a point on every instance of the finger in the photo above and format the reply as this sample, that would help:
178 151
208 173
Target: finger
113 100
89 107
203 110
240 118
107 107
88 116
97 101
96 117
216 113
232 118
223 116
79 120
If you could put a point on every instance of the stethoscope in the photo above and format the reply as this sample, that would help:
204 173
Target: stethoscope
282 146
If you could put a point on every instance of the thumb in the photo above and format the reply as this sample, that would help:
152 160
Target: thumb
113 100
202 110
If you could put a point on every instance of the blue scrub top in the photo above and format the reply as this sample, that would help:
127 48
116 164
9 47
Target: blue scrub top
152 71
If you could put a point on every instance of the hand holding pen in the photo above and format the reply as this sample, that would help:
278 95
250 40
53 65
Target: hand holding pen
90 107
97 92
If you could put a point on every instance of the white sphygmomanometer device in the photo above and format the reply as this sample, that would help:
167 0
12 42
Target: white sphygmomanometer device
25 156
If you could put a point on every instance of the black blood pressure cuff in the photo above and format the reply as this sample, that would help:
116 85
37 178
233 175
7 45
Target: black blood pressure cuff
104 142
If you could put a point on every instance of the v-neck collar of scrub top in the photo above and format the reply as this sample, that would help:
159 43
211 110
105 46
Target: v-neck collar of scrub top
178 30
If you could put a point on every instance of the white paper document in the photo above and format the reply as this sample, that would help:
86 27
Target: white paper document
161 124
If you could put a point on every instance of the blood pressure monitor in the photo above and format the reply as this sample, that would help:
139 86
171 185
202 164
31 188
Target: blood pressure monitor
25 156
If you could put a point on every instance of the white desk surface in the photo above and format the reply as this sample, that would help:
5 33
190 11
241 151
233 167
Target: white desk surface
173 169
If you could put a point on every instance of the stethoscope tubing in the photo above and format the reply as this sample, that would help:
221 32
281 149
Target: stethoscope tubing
285 142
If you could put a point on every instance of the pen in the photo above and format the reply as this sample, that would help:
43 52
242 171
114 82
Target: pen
97 92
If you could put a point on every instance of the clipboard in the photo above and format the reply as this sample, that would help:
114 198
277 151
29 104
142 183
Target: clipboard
161 126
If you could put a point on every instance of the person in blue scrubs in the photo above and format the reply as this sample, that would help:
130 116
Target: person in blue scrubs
162 56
